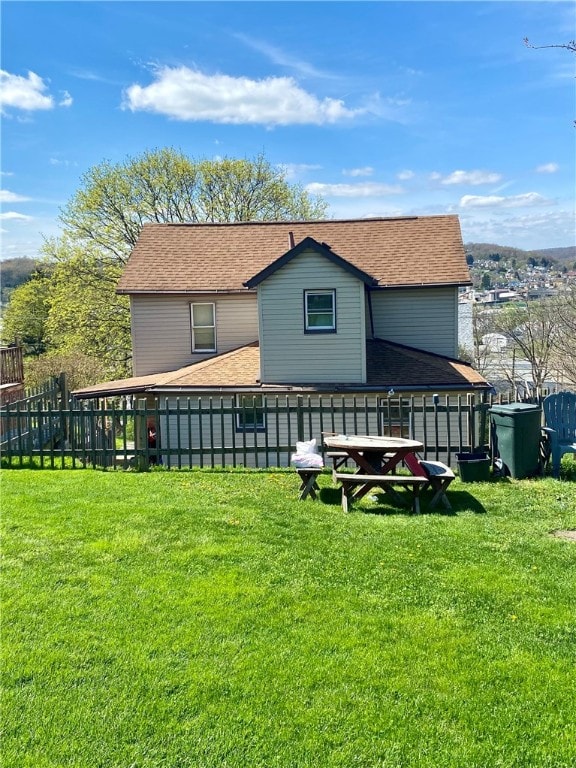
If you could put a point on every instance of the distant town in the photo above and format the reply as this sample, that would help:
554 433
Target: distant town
505 276
501 274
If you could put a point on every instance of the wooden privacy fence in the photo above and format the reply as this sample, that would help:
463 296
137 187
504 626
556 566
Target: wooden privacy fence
251 431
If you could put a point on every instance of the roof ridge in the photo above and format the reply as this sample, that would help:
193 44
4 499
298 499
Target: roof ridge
293 222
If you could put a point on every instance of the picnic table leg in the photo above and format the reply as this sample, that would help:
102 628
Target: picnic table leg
344 499
416 495
439 487
309 485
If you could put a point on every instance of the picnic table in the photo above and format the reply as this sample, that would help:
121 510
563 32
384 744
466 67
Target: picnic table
376 459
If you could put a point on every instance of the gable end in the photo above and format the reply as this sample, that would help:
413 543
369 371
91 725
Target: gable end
306 245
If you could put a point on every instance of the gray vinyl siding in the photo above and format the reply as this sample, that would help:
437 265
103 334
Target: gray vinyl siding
161 330
425 318
287 353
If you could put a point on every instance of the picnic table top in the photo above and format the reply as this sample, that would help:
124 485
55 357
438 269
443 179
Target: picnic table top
374 443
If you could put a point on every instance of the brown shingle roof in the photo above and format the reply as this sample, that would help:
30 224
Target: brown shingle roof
390 366
402 366
186 258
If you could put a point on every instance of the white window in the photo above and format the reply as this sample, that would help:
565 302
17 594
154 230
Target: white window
320 311
203 319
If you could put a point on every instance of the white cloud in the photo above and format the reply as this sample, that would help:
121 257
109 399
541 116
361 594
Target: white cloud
60 161
12 215
405 175
24 92
185 94
294 170
538 229
65 100
369 189
475 178
548 168
11 197
365 171
496 201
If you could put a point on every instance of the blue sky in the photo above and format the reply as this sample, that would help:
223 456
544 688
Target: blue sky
384 108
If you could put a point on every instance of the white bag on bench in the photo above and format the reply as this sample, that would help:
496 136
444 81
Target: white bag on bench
307 455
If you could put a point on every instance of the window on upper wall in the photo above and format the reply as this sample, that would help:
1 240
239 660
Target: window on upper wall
203 320
320 311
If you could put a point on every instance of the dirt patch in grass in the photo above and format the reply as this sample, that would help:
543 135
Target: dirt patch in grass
570 535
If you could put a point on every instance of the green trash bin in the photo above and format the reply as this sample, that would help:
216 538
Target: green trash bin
516 438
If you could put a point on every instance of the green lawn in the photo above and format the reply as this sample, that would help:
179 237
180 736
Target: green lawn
210 619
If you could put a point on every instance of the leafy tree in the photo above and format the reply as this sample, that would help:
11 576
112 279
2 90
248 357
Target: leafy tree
24 319
86 316
164 185
486 281
469 259
15 272
82 370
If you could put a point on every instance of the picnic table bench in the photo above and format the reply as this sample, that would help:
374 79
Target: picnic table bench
368 482
439 477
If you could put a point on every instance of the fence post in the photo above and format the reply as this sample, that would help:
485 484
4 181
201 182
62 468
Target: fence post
471 421
482 436
63 389
300 417
141 435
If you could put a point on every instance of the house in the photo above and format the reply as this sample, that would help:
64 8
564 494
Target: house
363 307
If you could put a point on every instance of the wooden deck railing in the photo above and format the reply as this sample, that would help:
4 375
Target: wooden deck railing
11 365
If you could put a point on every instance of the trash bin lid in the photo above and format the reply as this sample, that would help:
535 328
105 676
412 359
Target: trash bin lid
511 408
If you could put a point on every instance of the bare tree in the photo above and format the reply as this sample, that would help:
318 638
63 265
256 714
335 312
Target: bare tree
570 46
533 332
564 353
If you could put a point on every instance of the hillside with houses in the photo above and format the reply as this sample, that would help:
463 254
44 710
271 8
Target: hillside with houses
501 274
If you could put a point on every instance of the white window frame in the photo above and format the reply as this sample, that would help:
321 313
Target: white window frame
319 328
202 327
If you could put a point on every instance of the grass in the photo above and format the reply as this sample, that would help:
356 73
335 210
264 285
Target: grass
204 619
